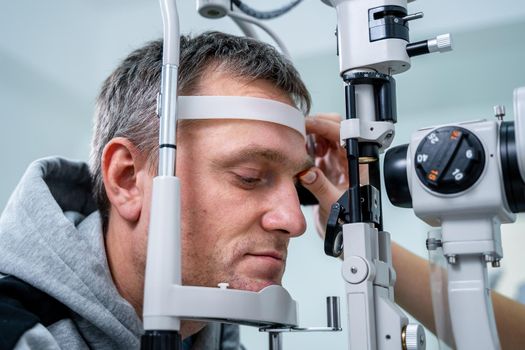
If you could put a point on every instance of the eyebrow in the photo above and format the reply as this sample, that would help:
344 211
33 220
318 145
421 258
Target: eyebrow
252 153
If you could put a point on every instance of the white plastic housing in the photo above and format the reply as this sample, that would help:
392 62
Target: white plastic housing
163 267
364 130
471 311
213 8
471 236
473 215
355 49
272 306
374 320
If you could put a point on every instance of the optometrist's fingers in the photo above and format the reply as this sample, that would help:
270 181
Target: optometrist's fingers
336 117
321 145
324 128
326 192
332 167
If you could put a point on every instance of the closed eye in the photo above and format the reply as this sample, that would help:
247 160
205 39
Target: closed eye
248 182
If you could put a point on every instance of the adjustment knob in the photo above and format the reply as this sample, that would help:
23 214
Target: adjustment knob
414 337
499 111
449 160
441 43
213 8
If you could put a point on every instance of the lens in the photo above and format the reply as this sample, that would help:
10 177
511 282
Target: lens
514 185
395 173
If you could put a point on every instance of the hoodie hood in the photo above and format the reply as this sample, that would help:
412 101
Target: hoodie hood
51 238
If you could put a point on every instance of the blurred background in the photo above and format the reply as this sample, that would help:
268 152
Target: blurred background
55 54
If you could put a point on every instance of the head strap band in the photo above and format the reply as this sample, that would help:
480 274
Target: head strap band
241 107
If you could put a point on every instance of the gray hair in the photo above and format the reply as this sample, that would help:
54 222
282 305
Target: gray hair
126 105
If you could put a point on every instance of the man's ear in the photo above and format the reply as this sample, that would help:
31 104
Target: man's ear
123 170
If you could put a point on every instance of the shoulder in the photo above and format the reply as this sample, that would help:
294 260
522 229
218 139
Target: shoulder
25 312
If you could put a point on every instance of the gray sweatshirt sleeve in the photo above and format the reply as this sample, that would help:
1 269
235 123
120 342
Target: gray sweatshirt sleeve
37 337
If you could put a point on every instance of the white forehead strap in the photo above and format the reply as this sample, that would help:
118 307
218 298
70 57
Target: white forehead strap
241 107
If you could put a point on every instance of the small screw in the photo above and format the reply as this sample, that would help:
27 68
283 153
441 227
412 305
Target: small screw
495 263
223 285
499 111
433 244
353 269
451 259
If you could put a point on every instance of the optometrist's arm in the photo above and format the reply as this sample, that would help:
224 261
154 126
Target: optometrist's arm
327 182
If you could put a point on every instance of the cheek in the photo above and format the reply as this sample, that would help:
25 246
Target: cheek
212 200
216 220
214 231
202 226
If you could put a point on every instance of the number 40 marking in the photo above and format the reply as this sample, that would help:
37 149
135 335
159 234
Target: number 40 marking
421 158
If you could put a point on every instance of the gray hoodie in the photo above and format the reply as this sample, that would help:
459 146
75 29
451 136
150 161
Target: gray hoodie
53 260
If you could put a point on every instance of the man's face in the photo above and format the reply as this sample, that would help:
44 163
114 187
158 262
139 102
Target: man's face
239 203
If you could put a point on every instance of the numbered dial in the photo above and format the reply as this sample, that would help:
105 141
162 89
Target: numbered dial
449 160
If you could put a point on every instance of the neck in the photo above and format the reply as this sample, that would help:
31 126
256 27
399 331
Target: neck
125 263
126 248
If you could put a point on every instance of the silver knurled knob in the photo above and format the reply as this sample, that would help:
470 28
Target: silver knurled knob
440 43
415 337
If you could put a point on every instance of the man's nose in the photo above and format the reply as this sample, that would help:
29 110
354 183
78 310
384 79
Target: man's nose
284 212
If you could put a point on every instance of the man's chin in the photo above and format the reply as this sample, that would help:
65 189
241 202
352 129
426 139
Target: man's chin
252 285
189 328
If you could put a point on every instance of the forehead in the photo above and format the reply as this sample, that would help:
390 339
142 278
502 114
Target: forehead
221 83
233 141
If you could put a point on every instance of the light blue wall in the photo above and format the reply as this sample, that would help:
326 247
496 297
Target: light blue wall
39 118
41 115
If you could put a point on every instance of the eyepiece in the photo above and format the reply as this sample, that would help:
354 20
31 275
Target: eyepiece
396 180
514 185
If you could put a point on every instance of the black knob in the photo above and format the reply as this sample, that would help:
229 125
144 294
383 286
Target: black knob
449 160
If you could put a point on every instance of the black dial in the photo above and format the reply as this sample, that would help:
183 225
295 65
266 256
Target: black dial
449 159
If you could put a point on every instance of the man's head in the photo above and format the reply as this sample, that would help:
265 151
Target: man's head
239 205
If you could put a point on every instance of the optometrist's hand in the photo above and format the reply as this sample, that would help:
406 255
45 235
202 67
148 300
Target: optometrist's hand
329 178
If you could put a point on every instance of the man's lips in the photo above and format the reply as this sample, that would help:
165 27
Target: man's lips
267 262
268 254
263 266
